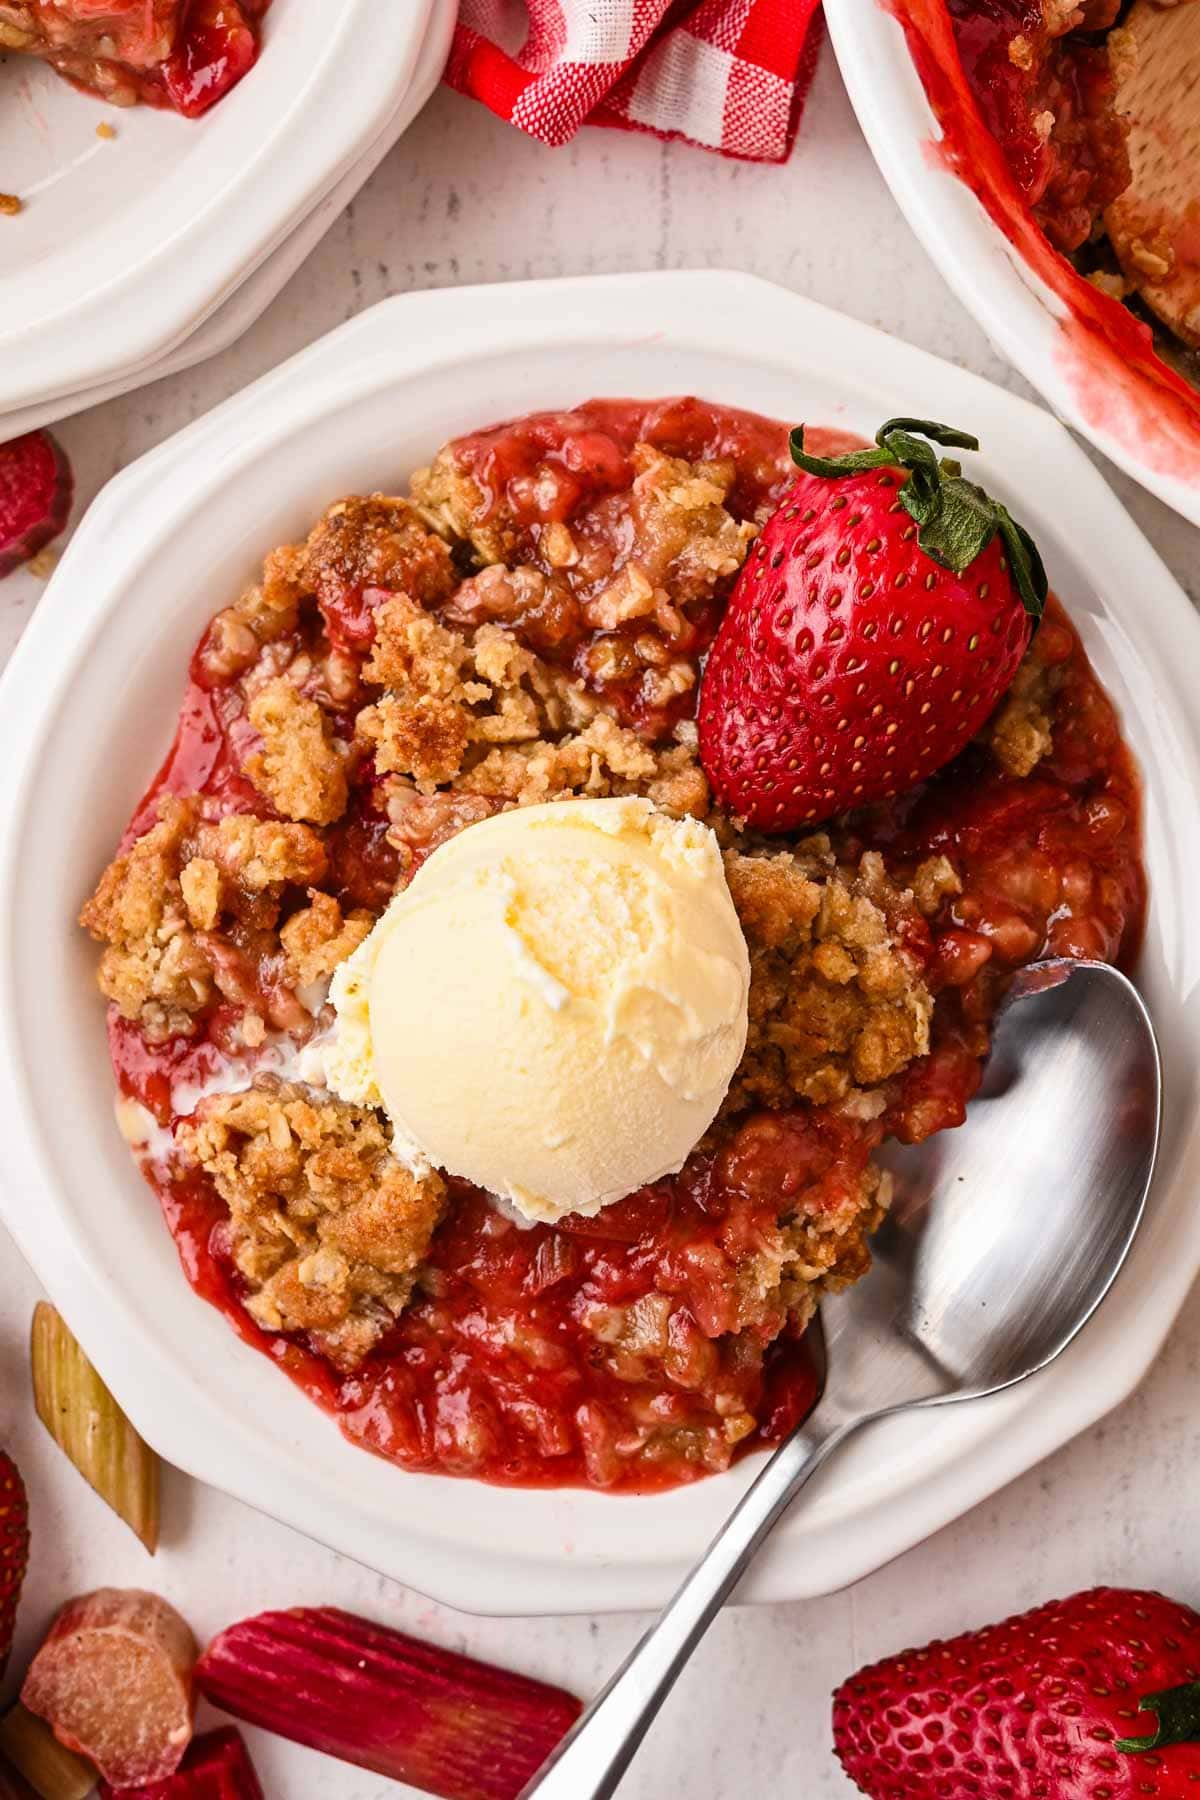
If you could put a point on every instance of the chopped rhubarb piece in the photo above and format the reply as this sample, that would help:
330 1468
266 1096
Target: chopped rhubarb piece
114 1682
216 1767
85 1421
442 1722
36 488
30 1747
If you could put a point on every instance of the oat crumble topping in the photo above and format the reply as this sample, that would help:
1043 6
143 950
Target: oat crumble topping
1019 734
325 1225
299 769
835 1003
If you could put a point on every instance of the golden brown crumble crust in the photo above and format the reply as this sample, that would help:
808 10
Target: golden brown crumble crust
814 1249
450 501
377 542
1019 733
835 1002
327 1229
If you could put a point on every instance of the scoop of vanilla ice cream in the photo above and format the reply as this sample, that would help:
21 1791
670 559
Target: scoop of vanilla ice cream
555 1006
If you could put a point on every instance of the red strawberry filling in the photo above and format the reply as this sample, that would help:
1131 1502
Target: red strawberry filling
1046 91
580 566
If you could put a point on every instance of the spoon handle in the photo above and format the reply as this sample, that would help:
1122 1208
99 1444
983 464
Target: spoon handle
592 1758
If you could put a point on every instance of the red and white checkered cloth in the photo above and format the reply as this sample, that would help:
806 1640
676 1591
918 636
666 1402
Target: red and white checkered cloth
730 75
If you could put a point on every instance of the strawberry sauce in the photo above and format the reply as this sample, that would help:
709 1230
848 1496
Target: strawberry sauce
503 1367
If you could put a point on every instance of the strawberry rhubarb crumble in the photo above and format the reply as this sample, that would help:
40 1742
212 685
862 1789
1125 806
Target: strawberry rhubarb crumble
179 54
457 827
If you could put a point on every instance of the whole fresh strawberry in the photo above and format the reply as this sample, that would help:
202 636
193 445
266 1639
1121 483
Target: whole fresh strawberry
879 618
1092 1698
14 1550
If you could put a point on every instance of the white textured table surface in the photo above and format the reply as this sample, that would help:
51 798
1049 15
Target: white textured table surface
464 199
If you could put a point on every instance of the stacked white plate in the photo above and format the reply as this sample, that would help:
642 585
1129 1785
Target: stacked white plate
136 256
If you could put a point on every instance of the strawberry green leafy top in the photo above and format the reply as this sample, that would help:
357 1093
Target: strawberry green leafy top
956 519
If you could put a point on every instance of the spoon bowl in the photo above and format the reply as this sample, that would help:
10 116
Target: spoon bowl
1004 1235
1003 1238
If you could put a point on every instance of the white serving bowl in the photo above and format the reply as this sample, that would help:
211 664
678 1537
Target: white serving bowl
1020 314
126 247
88 707
250 299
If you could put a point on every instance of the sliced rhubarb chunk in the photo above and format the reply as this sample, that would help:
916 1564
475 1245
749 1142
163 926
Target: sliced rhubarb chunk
85 1421
36 488
216 1767
387 1702
113 1680
31 1748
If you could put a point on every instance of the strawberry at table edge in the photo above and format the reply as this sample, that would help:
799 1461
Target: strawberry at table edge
873 629
1094 1697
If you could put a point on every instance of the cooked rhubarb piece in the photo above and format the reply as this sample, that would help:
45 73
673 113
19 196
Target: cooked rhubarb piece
36 489
28 1746
114 1682
14 1549
216 1767
372 1696
85 1421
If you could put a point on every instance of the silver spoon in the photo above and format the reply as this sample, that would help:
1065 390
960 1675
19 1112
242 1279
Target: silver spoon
1003 1239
